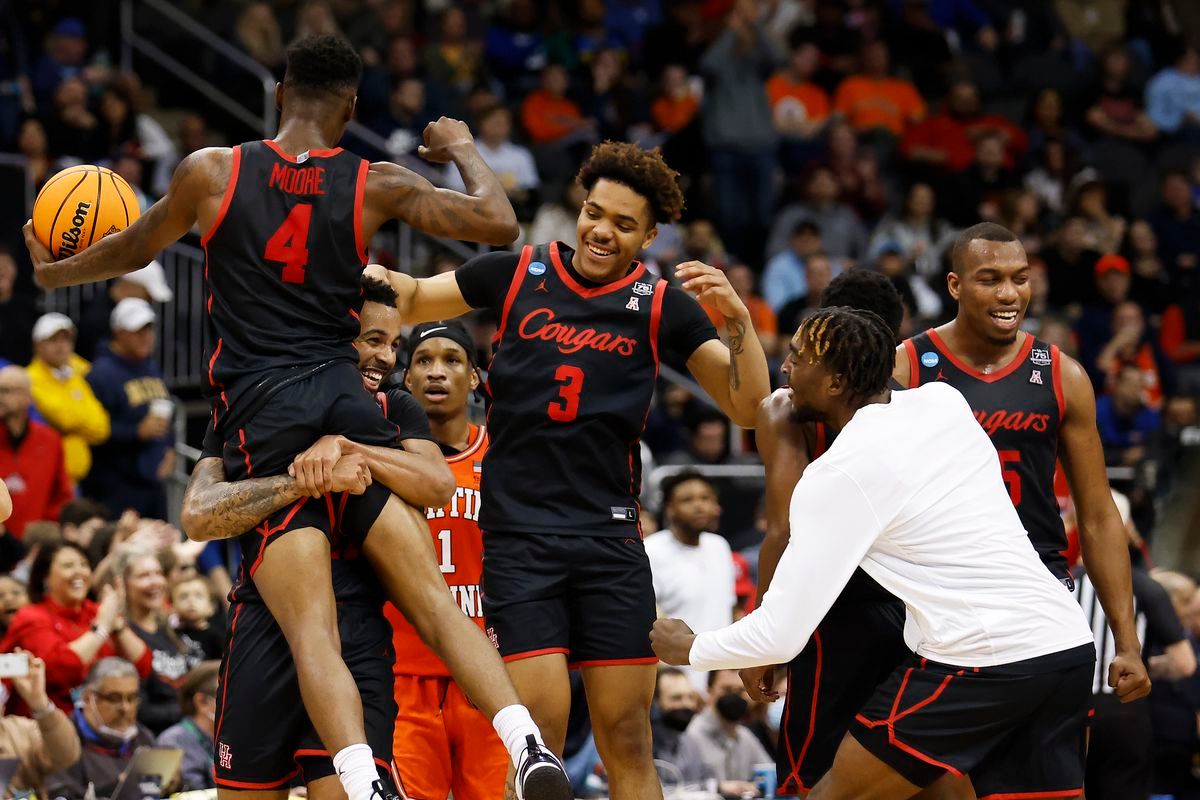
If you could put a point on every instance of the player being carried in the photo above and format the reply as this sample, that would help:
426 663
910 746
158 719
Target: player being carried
286 223
582 332
911 491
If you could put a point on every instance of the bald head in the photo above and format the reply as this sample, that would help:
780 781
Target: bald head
15 393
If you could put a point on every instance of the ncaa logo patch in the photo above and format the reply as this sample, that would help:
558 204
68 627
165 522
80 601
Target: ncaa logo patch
930 359
643 289
537 268
1039 356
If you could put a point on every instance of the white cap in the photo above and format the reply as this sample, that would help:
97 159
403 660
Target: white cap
152 278
132 314
50 324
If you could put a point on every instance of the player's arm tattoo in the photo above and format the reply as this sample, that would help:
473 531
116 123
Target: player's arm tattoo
737 345
214 508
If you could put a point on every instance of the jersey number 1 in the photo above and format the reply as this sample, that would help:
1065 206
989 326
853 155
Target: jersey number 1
289 244
566 409
1012 478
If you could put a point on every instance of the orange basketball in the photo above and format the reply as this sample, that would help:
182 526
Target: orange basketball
81 205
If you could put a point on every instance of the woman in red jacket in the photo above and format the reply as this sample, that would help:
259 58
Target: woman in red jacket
66 629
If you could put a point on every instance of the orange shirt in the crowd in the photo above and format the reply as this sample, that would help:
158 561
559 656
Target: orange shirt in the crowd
547 117
672 114
888 103
458 543
1173 334
793 102
761 315
1144 360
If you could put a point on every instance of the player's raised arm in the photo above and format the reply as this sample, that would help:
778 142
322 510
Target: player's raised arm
734 371
202 175
482 213
1102 538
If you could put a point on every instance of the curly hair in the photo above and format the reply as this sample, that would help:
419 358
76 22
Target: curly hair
868 291
374 291
322 65
851 342
643 171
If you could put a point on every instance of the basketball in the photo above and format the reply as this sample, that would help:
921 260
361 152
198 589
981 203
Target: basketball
81 205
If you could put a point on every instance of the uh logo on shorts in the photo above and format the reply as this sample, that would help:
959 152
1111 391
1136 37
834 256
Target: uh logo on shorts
225 756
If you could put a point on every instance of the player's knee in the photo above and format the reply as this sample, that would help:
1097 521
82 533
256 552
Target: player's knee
625 738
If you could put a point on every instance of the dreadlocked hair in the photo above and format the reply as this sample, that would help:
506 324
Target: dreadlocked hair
854 343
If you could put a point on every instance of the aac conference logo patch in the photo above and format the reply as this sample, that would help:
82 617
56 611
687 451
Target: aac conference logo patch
930 359
537 268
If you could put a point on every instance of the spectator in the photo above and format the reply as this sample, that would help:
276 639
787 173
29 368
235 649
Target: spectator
512 163
65 58
676 703
1177 226
453 62
818 272
701 243
680 39
1092 24
799 107
1115 109
146 603
80 519
148 283
708 441
872 100
73 130
130 467
1049 179
677 102
921 235
106 721
1179 337
1103 231
738 129
1173 95
316 19
607 97
547 115
978 191
842 232
13 597
919 299
1047 122
963 20
1020 213
727 746
1070 265
35 147
1151 285
946 141
555 221
515 48
785 278
194 733
257 32
116 131
42 745
1132 345
62 394
31 456
1128 427
857 173
17 314
692 567
66 629
191 599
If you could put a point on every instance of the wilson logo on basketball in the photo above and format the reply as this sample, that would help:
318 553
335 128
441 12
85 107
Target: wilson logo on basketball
70 237
1012 421
540 324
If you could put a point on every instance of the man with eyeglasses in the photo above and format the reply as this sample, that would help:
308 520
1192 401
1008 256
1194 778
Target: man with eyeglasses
106 720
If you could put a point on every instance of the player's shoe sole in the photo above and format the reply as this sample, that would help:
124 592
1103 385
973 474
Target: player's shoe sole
540 775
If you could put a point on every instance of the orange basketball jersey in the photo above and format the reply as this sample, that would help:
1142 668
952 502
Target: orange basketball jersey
459 546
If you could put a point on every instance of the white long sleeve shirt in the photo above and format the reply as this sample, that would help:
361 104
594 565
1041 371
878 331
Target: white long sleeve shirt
912 491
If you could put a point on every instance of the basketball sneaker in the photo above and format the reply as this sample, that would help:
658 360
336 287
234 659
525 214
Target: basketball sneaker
540 775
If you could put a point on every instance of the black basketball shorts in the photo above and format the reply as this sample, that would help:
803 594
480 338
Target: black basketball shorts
1017 729
263 734
590 598
854 649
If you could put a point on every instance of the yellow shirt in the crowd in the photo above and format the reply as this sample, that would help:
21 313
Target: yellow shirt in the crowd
67 402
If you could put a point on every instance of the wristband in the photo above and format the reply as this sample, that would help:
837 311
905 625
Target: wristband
100 631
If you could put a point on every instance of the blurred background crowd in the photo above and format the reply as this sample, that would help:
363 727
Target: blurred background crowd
812 137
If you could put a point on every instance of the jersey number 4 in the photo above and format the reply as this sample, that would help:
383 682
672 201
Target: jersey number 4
567 408
289 244
1012 478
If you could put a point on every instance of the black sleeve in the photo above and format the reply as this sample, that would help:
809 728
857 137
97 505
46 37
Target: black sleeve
1163 627
484 280
684 327
406 413
212 446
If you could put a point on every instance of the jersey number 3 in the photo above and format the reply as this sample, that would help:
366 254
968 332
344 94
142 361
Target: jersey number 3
289 244
566 409
1012 478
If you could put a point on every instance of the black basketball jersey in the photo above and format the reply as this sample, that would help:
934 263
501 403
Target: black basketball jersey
571 382
283 264
1021 407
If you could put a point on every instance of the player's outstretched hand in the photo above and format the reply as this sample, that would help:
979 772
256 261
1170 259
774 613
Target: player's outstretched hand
1127 677
313 469
442 137
672 640
710 286
759 683
38 254
351 474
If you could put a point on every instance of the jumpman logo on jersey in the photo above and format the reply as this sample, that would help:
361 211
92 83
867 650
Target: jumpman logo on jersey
940 376
541 287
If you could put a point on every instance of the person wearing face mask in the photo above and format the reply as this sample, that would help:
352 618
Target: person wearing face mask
726 745
106 721
194 734
65 628
675 705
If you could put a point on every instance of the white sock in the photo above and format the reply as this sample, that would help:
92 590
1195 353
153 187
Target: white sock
355 767
513 724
